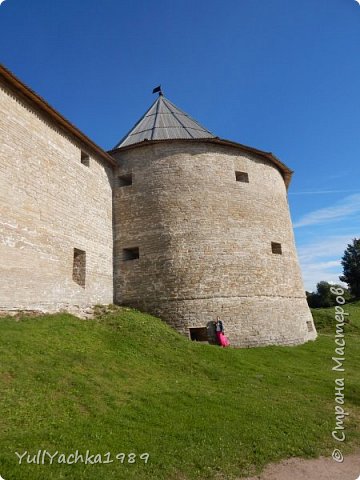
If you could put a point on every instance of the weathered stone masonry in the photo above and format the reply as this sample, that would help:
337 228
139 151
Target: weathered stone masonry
173 221
51 204
204 242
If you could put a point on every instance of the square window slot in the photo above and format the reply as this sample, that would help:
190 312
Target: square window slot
310 326
85 159
125 180
199 334
276 248
131 254
242 177
79 267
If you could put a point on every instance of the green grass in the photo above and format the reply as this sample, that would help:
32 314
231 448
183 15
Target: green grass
324 318
128 383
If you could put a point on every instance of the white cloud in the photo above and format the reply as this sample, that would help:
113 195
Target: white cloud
321 260
321 192
313 274
320 249
347 207
324 265
327 247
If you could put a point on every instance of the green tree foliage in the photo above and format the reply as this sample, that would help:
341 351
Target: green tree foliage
322 297
351 267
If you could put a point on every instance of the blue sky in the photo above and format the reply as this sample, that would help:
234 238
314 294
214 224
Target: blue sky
279 75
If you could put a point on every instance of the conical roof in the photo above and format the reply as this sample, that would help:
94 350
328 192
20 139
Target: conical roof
164 121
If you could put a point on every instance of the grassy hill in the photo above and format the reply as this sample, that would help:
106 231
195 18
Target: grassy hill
324 318
126 382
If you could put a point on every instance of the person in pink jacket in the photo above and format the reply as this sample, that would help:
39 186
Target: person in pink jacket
219 329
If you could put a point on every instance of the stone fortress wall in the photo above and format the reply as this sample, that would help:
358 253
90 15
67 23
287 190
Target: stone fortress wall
56 243
205 219
185 229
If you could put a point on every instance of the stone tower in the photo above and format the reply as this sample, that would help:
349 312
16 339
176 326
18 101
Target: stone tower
202 228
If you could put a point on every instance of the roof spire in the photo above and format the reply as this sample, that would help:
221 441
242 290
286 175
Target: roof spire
158 89
164 121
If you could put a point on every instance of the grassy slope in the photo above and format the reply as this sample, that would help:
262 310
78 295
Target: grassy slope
128 383
324 318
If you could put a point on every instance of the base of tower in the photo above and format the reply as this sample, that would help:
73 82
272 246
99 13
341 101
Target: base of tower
248 321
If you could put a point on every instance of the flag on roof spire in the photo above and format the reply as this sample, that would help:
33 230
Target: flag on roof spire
158 89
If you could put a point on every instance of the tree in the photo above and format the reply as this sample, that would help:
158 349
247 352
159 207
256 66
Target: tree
351 267
323 297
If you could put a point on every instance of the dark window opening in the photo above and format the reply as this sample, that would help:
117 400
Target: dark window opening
276 248
85 159
242 177
79 267
125 180
310 326
199 334
131 254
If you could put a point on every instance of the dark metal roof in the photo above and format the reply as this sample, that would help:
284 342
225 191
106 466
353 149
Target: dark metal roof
164 121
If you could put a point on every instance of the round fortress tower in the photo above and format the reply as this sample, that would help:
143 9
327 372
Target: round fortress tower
202 229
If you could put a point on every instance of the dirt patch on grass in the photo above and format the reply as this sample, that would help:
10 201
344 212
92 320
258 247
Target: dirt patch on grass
7 377
318 469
